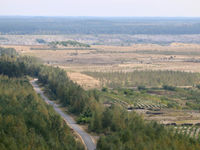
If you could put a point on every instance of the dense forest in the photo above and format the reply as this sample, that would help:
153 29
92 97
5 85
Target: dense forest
26 122
118 129
93 25
146 78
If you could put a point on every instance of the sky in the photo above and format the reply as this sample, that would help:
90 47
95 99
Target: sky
140 8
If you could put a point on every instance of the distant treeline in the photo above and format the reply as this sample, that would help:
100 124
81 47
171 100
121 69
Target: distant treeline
92 25
118 128
68 43
146 78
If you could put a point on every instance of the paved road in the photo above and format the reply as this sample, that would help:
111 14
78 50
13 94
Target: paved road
70 121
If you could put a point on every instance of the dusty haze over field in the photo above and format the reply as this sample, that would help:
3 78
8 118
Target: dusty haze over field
169 8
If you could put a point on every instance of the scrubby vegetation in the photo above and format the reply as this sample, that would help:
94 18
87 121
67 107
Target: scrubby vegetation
8 51
191 131
154 98
118 128
41 41
147 78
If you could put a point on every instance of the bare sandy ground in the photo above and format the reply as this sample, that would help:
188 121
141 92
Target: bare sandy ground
85 81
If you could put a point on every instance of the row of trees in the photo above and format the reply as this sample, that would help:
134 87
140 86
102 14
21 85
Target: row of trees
69 93
68 43
119 129
147 78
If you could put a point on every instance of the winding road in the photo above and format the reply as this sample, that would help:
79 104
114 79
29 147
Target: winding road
70 121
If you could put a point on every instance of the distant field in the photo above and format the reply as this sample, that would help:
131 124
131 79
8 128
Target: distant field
118 58
102 39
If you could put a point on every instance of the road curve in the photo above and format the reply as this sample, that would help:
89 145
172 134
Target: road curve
70 121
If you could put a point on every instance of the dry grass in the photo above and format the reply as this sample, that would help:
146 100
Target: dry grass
175 116
116 58
18 48
85 81
139 47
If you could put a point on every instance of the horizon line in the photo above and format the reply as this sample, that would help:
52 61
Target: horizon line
102 16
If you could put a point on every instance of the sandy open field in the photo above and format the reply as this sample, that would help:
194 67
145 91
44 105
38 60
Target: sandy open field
85 81
177 56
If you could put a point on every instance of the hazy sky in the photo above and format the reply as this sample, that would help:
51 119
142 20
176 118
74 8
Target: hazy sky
101 7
